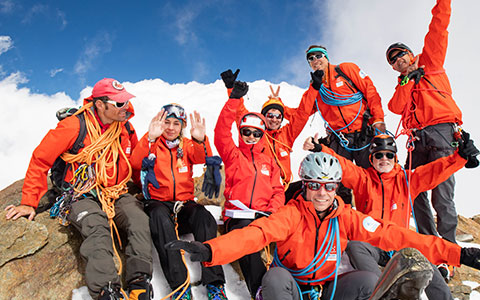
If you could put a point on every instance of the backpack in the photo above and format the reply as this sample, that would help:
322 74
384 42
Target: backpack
60 167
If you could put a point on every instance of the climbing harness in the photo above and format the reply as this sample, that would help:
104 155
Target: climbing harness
324 252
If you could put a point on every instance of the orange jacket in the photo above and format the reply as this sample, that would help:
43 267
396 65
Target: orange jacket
385 195
430 101
251 176
339 117
299 234
280 141
60 140
176 184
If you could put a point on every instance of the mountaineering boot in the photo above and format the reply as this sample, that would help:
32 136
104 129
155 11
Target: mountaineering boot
112 292
405 277
447 271
186 296
140 288
216 292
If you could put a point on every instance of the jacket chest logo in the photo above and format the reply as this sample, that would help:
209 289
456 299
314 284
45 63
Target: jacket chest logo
265 170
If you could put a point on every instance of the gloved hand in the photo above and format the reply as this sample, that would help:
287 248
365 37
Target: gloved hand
212 178
147 174
470 257
466 148
229 77
263 214
198 251
317 147
416 75
240 89
317 77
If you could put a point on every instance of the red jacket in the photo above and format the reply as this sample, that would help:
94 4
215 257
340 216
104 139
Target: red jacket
176 184
299 234
251 176
385 195
430 101
60 140
339 117
280 141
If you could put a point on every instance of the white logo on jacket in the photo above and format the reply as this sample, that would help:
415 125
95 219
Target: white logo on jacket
370 224
265 170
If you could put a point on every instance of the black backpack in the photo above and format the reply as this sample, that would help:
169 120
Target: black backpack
60 168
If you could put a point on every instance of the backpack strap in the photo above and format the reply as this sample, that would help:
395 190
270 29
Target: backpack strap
78 144
347 79
129 128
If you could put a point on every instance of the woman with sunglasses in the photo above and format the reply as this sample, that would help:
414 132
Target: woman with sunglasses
171 193
385 191
251 176
311 233
279 139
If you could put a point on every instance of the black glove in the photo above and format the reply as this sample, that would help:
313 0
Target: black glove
470 257
240 89
317 77
212 178
229 78
262 214
198 251
416 75
466 148
317 147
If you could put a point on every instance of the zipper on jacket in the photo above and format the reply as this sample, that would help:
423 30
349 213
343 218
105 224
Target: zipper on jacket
255 178
383 195
173 174
317 229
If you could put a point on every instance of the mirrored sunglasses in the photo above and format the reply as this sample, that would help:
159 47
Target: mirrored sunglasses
248 132
272 115
315 56
393 59
117 104
315 186
380 155
175 110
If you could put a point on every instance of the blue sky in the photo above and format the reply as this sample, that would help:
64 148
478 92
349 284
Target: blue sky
66 45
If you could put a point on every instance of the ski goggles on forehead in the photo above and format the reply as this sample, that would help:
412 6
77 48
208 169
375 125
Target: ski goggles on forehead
117 104
380 155
392 59
176 111
248 132
272 116
312 57
315 186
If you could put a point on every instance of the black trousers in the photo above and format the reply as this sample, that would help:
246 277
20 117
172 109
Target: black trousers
192 218
252 265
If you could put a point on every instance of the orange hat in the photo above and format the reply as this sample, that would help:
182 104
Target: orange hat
273 101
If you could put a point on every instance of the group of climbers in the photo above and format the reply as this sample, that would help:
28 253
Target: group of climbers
313 229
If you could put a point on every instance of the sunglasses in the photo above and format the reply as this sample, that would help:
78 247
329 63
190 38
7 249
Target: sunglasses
315 56
380 155
315 186
248 132
272 115
393 59
117 104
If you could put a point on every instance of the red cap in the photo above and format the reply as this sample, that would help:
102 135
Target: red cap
112 89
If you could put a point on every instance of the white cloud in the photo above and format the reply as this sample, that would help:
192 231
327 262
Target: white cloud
94 49
55 72
185 30
63 19
37 9
6 6
6 43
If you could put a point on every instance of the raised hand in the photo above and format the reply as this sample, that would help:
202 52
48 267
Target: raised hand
229 77
240 89
157 125
317 78
198 126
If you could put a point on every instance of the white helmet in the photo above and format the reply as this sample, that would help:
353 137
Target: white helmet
320 167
